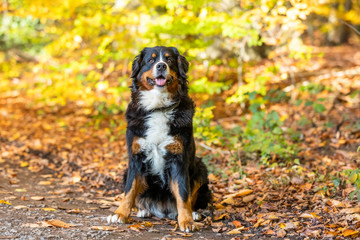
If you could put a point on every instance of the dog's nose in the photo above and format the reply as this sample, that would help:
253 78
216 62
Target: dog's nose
161 67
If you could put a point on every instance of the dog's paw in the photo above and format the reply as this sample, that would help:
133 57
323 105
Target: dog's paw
143 213
188 226
117 219
196 216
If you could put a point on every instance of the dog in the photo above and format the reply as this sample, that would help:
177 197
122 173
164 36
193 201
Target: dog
164 178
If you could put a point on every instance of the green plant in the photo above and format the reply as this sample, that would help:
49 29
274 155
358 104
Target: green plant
203 129
353 177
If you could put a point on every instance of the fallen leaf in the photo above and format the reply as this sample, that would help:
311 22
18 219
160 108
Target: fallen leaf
104 228
350 210
37 198
45 183
49 209
20 207
222 216
248 198
239 193
219 206
73 211
349 232
297 180
306 215
235 231
229 201
237 224
290 226
20 190
269 232
281 233
5 202
58 223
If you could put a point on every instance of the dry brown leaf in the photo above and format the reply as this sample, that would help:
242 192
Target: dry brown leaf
222 216
236 231
350 210
229 201
249 198
239 193
45 183
104 228
37 198
306 215
269 232
281 233
58 223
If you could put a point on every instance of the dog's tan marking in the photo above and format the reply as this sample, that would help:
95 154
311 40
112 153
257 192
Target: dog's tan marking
195 193
176 147
124 210
153 55
144 84
166 54
135 148
173 87
185 219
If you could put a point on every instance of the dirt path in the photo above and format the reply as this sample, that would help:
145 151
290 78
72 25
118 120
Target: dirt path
38 198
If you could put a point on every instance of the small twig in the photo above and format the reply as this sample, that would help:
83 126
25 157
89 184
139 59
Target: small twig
350 26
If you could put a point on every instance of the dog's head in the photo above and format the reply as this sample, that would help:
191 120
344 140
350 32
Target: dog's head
160 69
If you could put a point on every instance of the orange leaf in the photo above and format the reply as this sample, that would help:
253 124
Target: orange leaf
58 223
349 232
237 224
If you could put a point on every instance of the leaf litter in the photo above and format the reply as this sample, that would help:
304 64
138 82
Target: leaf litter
76 158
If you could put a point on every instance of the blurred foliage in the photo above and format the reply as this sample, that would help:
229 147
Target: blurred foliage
81 51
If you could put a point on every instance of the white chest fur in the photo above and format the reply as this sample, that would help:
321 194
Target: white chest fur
156 139
157 129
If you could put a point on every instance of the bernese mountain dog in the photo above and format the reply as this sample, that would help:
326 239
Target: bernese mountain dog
164 178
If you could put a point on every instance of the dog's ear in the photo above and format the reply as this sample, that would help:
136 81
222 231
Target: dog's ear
183 64
136 65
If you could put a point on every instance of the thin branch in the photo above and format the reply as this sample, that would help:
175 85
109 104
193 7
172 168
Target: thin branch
351 27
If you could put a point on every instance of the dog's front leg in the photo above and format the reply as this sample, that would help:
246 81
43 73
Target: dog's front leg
134 185
181 189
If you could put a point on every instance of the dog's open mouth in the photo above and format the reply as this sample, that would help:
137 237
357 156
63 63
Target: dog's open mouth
159 81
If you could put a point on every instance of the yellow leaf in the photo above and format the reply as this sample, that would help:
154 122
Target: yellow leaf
282 225
5 202
229 200
49 209
20 190
24 164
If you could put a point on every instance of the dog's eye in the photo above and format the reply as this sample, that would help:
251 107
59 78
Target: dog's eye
151 60
169 60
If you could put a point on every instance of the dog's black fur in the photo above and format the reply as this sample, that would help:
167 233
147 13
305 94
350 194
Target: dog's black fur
157 193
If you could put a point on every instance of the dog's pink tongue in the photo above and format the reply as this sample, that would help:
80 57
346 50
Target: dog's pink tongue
160 81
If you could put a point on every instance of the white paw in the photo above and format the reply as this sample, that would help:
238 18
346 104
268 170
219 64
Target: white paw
115 219
143 213
196 216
